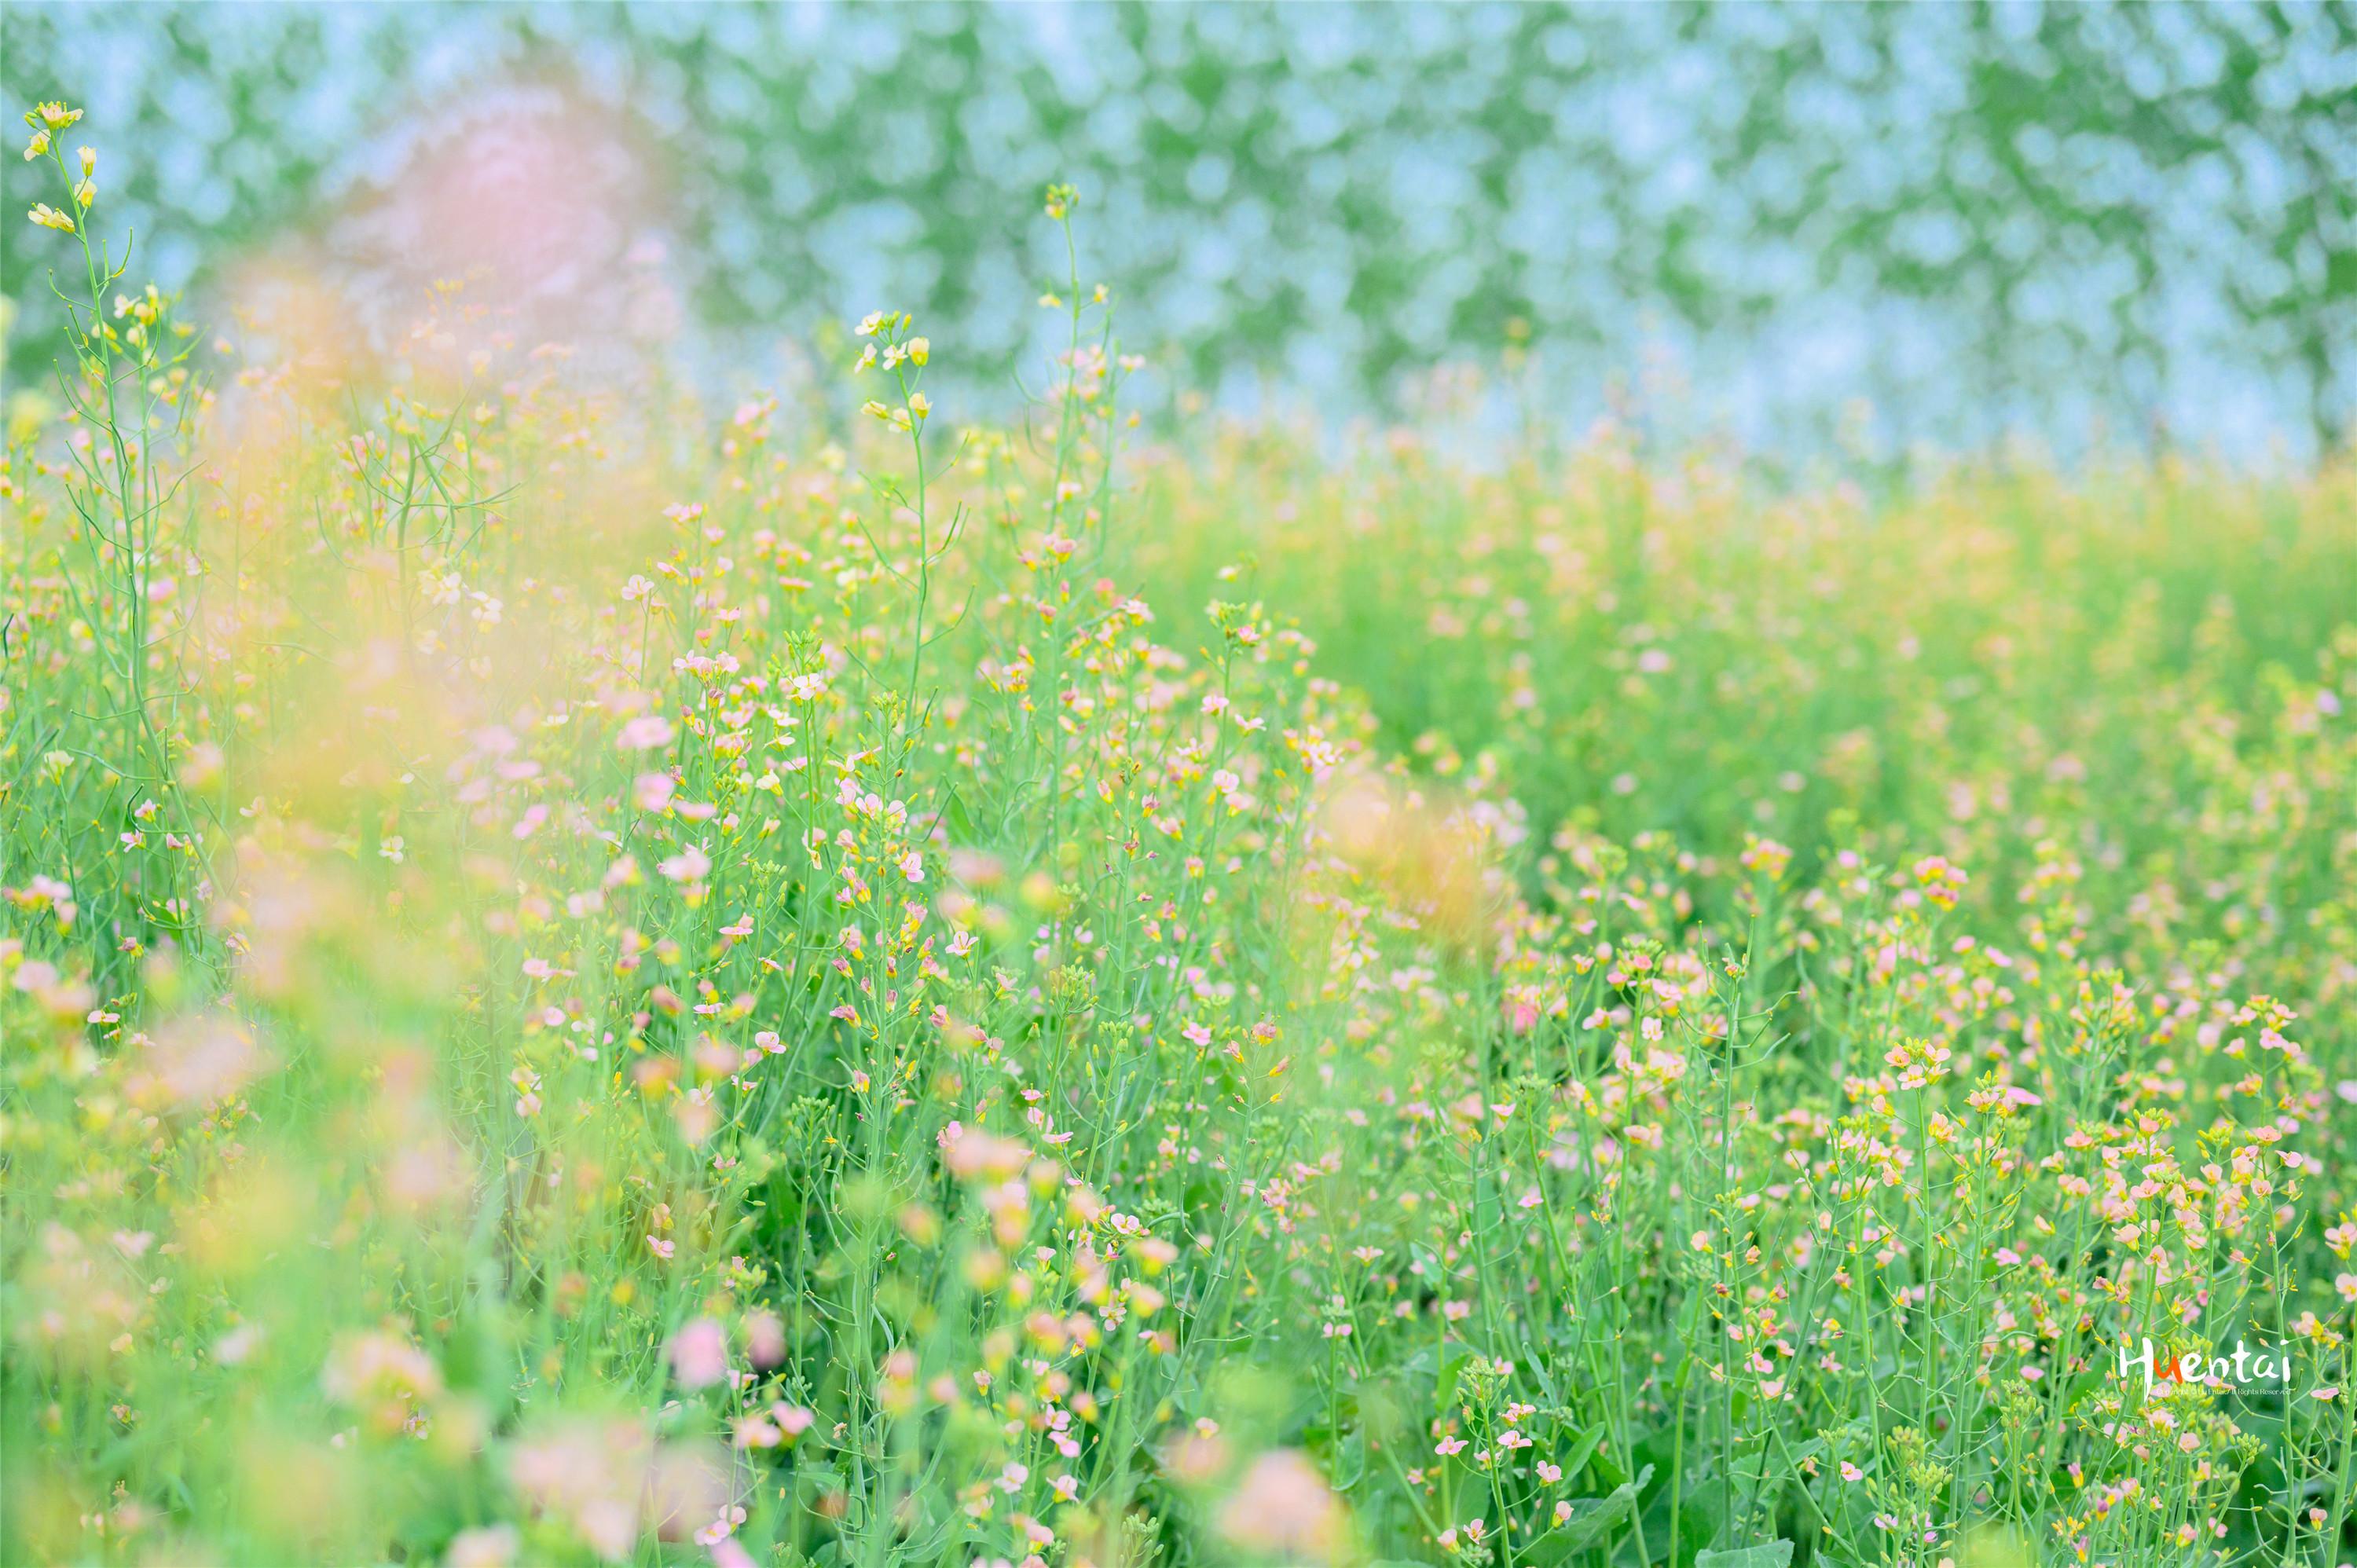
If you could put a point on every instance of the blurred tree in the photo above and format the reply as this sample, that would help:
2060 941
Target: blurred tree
1986 218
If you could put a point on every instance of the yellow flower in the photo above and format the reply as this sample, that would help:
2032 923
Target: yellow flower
872 407
89 160
920 349
56 116
918 404
84 192
37 147
49 216
874 321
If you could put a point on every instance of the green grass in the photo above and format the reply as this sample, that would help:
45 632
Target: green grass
572 963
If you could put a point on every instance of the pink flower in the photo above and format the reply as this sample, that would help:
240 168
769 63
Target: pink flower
1284 1509
690 865
699 1353
765 1339
381 1375
645 733
487 1546
971 1153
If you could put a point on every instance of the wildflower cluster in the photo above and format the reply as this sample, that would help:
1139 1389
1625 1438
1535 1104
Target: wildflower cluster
586 986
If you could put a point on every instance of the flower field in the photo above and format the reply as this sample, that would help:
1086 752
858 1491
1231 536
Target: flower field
593 975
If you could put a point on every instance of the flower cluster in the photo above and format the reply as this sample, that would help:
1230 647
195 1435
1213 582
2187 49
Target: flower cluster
587 983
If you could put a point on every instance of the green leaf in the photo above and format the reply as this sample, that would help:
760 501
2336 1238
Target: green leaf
1592 1522
1774 1554
1444 1392
1575 1458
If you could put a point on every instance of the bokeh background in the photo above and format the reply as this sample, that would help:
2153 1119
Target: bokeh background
1950 224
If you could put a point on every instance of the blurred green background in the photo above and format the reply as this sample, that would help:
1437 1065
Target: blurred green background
1985 219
